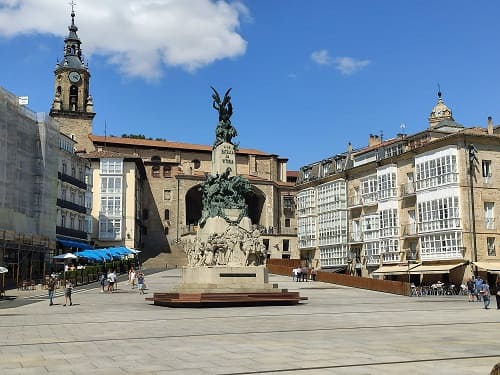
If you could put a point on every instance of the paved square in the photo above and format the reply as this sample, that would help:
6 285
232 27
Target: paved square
339 330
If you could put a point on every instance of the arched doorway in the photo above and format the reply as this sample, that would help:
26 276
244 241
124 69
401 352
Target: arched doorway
255 199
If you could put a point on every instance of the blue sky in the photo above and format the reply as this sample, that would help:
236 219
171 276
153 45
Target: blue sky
307 76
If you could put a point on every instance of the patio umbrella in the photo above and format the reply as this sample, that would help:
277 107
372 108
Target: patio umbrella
63 257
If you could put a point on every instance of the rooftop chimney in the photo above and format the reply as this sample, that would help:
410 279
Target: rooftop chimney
374 140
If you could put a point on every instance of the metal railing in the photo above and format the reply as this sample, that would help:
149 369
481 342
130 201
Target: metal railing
407 189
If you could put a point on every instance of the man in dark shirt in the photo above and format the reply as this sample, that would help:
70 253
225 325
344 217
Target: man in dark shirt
51 285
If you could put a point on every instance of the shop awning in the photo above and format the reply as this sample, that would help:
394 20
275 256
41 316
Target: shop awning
395 269
491 267
75 244
426 269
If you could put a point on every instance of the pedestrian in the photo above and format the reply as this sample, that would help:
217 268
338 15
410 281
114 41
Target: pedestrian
470 290
67 293
140 283
132 276
358 267
111 281
497 291
304 271
102 281
313 274
485 293
51 285
478 287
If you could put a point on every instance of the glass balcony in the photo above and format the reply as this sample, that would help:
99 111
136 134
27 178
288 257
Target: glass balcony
356 236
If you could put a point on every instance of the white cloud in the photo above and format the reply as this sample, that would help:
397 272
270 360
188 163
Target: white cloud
348 65
140 36
321 57
345 65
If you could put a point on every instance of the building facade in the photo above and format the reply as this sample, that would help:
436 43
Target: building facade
74 196
28 185
416 207
152 211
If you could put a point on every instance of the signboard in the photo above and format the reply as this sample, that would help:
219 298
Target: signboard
23 100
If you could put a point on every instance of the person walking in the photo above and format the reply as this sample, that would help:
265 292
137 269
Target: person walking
497 291
140 283
67 293
470 290
111 281
102 281
51 286
479 286
485 293
132 277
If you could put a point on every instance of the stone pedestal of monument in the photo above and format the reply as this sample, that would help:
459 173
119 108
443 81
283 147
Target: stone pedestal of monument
219 286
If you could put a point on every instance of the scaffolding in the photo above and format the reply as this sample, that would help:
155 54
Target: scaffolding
28 188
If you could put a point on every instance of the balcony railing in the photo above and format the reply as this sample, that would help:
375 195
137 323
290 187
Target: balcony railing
71 206
409 230
370 199
72 180
71 232
354 201
408 189
489 223
356 236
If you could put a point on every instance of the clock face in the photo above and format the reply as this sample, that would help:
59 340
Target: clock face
74 77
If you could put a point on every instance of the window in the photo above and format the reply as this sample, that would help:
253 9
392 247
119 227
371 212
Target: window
288 202
489 215
441 246
369 190
73 170
64 168
196 164
155 171
490 243
111 206
387 186
325 168
167 214
287 223
338 164
486 169
63 220
110 228
167 171
286 245
111 166
111 185
333 255
436 172
166 231
167 195
388 221
438 214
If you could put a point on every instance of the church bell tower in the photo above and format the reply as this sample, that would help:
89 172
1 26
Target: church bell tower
72 106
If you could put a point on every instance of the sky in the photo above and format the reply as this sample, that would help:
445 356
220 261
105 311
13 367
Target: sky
307 76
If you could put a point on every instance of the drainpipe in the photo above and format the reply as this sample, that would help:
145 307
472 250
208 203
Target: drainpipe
178 205
472 160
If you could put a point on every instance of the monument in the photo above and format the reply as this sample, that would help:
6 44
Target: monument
226 258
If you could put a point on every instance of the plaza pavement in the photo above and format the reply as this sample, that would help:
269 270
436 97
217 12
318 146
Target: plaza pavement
339 330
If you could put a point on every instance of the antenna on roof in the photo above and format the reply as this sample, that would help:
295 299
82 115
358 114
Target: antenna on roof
403 127
381 135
